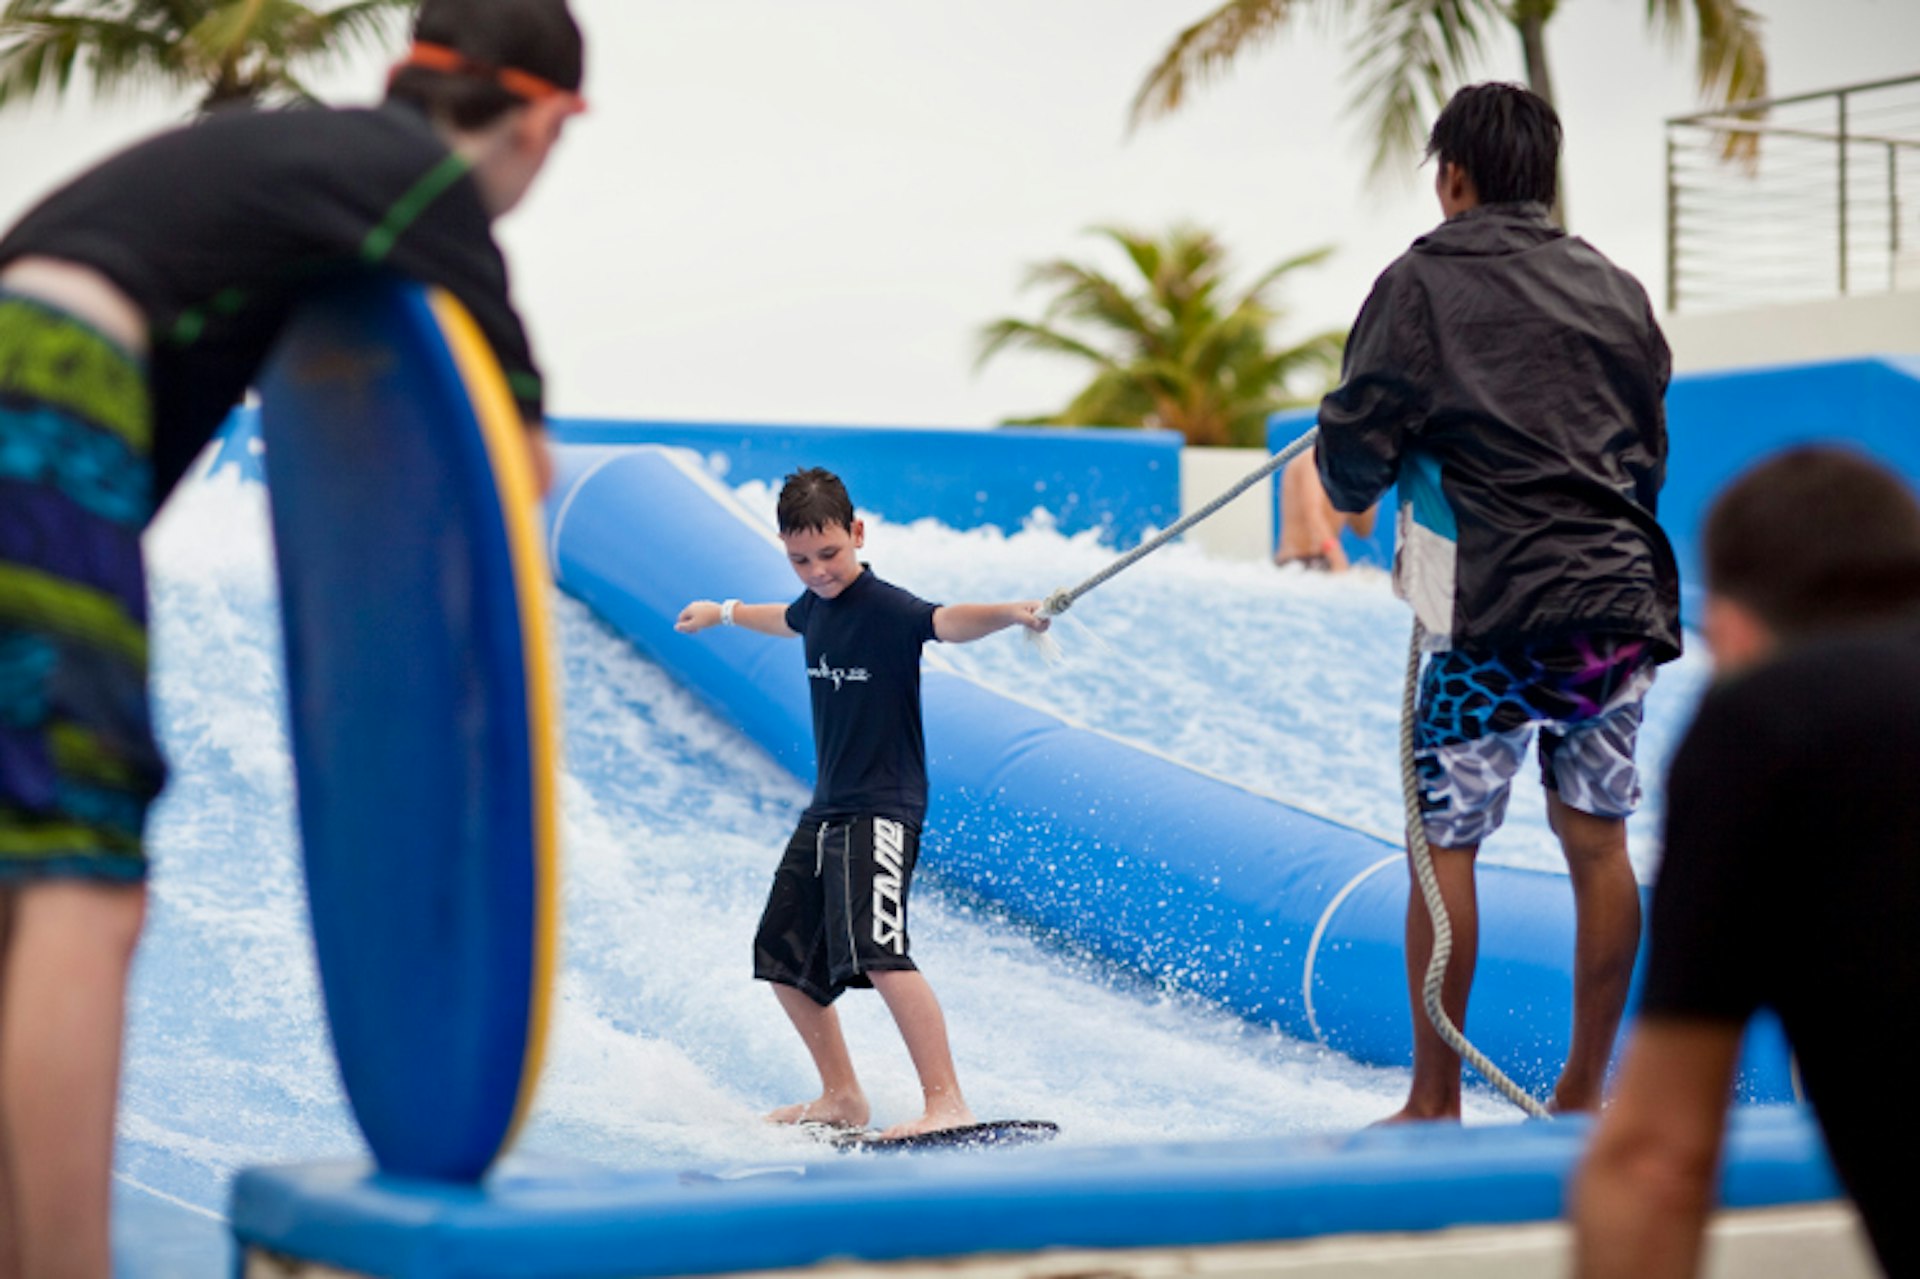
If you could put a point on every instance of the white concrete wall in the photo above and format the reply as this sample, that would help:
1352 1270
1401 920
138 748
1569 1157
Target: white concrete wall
1835 329
1242 530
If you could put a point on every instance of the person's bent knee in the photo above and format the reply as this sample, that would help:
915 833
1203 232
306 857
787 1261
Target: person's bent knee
1585 837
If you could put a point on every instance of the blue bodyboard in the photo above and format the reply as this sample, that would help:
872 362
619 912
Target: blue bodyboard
421 712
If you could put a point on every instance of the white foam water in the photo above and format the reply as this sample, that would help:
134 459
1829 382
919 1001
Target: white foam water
664 1051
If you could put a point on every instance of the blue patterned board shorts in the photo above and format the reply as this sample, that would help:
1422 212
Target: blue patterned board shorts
1478 709
78 762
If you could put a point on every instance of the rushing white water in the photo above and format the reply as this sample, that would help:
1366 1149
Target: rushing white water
665 1051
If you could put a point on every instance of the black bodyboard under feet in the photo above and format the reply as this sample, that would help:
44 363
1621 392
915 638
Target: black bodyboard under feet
994 1135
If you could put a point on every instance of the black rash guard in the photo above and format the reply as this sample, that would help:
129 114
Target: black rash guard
1791 881
214 229
863 669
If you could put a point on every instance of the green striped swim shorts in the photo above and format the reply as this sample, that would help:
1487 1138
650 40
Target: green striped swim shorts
78 761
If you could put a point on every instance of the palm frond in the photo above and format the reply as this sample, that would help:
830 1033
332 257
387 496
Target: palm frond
1256 291
235 50
1310 368
1203 51
1415 53
377 25
43 50
1166 350
1113 398
1011 333
1730 62
1141 250
1088 296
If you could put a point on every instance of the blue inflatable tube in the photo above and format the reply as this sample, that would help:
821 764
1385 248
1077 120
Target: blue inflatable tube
1281 915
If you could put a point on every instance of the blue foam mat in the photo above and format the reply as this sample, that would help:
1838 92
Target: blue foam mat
568 1220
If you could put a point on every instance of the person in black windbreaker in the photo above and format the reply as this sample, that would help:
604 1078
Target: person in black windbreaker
1511 379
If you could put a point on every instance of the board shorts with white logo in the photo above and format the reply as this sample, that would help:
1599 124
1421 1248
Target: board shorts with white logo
838 907
1479 708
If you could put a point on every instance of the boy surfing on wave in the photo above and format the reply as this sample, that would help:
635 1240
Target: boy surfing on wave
837 914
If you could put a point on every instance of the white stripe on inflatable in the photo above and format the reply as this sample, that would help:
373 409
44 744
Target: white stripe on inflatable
566 505
1320 930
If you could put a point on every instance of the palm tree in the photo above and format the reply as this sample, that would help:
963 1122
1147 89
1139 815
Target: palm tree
232 52
1175 350
1411 52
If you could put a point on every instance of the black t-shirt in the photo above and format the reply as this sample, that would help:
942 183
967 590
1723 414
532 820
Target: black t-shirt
213 229
1791 881
863 670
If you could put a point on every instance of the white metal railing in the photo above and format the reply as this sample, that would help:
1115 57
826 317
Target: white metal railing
1823 202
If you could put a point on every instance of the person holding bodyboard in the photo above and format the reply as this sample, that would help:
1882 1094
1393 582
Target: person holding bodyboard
137 303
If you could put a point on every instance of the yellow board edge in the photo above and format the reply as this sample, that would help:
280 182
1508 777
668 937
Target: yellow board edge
502 429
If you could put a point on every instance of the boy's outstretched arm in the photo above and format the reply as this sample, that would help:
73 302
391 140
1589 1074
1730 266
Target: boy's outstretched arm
767 619
961 623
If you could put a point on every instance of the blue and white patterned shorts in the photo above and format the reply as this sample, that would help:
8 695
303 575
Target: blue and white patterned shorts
1478 709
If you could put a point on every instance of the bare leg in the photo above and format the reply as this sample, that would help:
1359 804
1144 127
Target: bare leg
9 1229
1308 523
917 1013
1606 935
63 1007
1435 1092
840 1101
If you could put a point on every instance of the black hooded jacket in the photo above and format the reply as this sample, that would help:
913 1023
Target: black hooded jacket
1512 380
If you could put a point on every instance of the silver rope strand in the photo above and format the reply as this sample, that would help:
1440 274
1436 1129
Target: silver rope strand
1062 600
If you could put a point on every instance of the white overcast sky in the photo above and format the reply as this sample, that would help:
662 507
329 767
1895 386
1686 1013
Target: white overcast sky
803 210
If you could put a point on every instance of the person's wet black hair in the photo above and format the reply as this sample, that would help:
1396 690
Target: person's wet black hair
1503 136
814 499
539 37
1814 538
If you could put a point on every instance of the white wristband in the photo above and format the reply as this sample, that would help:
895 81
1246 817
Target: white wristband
726 612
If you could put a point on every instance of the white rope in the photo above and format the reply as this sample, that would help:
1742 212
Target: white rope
1062 600
1436 906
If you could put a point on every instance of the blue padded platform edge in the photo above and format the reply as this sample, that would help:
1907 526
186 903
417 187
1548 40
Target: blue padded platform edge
572 1221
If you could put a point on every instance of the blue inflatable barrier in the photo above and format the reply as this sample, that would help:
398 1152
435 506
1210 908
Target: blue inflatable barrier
1282 916
1122 483
1718 425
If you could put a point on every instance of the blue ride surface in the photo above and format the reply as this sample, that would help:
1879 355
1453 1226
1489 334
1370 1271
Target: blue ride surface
420 715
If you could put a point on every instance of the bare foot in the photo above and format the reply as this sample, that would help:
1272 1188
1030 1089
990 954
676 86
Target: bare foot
937 1119
835 1110
1409 1115
1573 1101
